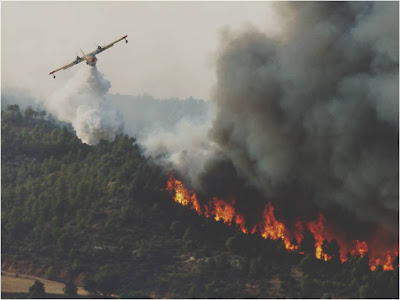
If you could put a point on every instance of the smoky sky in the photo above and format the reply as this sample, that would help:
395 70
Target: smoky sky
168 55
312 115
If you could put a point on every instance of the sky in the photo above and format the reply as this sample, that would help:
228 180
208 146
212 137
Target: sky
170 52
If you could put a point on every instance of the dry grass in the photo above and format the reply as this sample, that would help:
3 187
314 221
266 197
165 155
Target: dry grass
12 284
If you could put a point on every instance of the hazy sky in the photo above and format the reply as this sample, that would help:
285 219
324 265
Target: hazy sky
169 54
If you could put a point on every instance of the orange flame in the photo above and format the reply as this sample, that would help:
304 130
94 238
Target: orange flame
318 230
360 248
218 208
273 229
223 211
239 220
182 195
226 212
270 227
387 264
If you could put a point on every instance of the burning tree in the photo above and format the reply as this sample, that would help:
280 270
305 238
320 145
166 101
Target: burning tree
309 237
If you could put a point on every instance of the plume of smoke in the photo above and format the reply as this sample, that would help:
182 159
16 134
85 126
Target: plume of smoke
317 108
145 115
186 148
82 102
311 116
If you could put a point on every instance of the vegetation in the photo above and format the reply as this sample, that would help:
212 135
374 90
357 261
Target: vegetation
100 213
37 290
13 285
70 289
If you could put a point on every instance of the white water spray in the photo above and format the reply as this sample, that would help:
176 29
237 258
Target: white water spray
82 102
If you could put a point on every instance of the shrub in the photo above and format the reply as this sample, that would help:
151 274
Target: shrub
307 264
37 290
326 296
364 291
194 292
70 289
133 295
176 228
232 243
51 273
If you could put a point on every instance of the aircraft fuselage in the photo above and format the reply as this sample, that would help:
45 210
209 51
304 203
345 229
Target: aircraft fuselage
91 60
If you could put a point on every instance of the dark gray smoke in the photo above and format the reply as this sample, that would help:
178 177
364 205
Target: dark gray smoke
313 114
307 120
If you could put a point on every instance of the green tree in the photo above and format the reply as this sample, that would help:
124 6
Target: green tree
211 290
307 244
133 295
89 284
13 114
124 246
189 246
307 286
70 289
207 267
382 282
76 266
361 267
37 290
29 113
194 292
307 264
51 273
255 268
107 281
222 263
188 235
326 296
244 265
394 283
176 228
65 243
233 243
364 291
331 248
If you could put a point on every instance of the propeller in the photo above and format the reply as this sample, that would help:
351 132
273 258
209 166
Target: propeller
98 46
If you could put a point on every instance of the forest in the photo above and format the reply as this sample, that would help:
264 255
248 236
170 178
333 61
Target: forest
99 216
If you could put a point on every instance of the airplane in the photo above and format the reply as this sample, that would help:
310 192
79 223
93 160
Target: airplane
90 58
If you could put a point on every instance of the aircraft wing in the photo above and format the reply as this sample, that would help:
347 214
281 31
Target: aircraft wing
101 49
75 62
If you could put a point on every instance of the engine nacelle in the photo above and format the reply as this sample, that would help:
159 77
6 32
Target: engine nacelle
99 47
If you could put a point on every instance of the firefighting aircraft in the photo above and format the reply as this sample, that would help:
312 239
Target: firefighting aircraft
90 58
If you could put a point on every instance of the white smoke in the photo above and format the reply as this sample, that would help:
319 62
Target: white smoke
185 149
82 102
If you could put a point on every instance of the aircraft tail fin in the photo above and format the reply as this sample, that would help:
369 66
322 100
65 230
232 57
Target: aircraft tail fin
84 55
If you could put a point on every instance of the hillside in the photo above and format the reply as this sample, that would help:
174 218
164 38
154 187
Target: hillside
100 215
